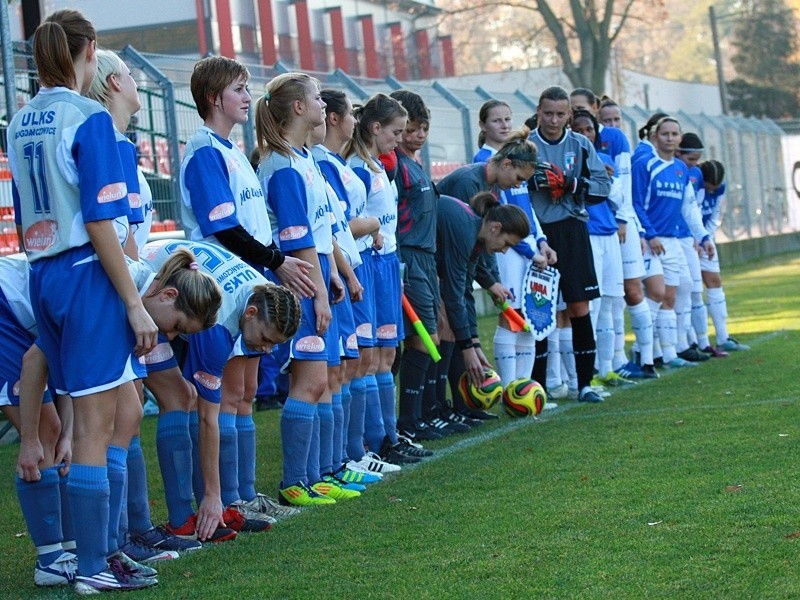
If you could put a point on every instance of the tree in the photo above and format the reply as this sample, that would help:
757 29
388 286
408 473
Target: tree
581 33
766 60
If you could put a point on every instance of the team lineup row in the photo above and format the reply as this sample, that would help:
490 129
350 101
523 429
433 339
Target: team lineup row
301 259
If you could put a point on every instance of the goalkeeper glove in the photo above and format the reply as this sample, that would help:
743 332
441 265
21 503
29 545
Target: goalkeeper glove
548 176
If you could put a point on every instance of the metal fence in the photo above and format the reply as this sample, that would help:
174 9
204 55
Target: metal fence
749 148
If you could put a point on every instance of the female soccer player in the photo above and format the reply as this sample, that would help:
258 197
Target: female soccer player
298 205
663 197
494 120
73 215
223 203
380 124
463 233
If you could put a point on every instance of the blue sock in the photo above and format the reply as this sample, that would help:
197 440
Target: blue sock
138 500
40 502
116 458
174 446
246 432
88 491
338 431
355 426
346 400
297 425
66 516
373 419
228 459
312 466
198 486
326 436
386 392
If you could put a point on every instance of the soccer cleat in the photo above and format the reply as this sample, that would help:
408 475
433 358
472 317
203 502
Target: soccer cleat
356 466
480 415
658 362
423 432
611 379
693 354
158 539
240 518
550 406
145 554
330 488
59 572
134 569
390 454
715 352
114 578
188 531
590 396
352 476
409 449
457 417
732 346
558 393
267 506
679 363
630 370
372 462
302 495
650 372
357 487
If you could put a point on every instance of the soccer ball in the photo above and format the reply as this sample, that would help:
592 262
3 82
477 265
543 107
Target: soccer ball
524 398
483 397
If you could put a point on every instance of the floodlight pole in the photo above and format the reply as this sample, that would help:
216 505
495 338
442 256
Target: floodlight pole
723 87
9 79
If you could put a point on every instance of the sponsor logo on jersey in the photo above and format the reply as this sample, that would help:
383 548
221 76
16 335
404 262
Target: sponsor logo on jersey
346 176
310 343
352 342
250 193
112 192
377 184
309 176
45 117
569 161
15 389
387 219
41 235
160 353
364 330
207 380
226 209
293 233
387 332
135 200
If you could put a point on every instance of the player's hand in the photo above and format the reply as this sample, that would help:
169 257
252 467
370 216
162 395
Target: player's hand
323 311
500 292
642 245
473 365
144 328
356 289
548 176
337 289
656 247
548 253
482 357
377 240
622 232
63 455
31 455
709 248
209 517
293 273
539 261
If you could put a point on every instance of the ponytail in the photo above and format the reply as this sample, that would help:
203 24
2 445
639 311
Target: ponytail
380 109
57 43
199 296
512 218
713 172
517 148
644 131
274 112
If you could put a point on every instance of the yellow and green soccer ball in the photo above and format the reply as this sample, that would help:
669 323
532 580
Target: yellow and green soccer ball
485 396
524 398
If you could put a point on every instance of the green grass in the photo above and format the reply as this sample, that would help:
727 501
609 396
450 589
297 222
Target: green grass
683 487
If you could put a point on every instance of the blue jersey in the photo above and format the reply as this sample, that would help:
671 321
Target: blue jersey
66 172
484 154
381 201
127 154
297 201
142 231
219 190
614 143
602 220
711 207
663 197
644 151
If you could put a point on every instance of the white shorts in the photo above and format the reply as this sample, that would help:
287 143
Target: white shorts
513 267
632 259
693 262
608 264
672 263
709 265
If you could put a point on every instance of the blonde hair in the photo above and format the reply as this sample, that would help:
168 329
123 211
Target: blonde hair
274 111
58 41
108 64
199 296
278 306
518 149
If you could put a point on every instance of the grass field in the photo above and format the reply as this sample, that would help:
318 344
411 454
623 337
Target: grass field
684 487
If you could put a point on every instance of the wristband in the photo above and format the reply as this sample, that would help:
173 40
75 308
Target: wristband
464 344
476 344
